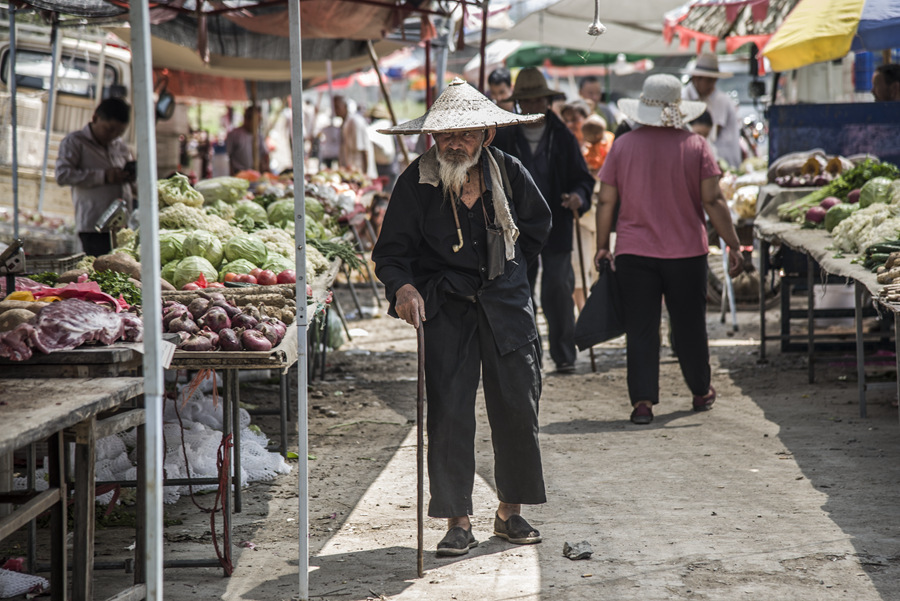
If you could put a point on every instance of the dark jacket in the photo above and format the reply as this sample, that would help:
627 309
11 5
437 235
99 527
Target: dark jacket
566 173
418 233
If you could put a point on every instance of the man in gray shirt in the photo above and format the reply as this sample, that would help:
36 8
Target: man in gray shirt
93 161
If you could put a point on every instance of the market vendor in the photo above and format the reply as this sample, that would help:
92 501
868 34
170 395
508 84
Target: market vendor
94 161
463 222
886 83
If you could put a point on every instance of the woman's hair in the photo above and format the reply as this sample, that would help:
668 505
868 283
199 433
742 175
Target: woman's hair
579 106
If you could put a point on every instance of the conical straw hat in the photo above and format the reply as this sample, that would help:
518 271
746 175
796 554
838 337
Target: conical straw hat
460 107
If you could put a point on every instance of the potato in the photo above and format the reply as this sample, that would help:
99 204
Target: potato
120 263
14 317
164 285
72 275
32 306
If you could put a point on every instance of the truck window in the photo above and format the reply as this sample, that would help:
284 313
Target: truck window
75 75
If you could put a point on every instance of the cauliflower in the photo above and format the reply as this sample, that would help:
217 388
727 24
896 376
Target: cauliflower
177 190
183 217
850 232
278 241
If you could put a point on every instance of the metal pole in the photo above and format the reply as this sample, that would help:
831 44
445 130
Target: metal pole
584 280
420 453
14 117
302 319
387 97
145 129
55 51
482 51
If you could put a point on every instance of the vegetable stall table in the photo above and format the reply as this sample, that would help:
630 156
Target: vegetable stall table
35 409
817 246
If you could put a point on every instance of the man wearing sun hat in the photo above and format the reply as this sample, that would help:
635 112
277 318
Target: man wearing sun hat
663 177
726 131
463 222
553 156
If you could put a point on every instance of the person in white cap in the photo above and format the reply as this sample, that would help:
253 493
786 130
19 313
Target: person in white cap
663 177
726 132
463 222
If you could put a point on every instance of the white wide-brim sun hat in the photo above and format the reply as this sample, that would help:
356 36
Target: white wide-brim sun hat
660 104
707 65
460 108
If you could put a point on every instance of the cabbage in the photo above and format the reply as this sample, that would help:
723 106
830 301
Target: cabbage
201 243
168 271
281 211
877 189
177 190
171 247
838 213
314 209
221 209
229 189
190 268
238 266
277 263
249 214
246 246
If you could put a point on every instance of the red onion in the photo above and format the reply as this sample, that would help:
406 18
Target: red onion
215 319
230 309
268 331
175 312
183 324
815 214
211 336
196 343
254 340
228 340
829 202
243 320
198 307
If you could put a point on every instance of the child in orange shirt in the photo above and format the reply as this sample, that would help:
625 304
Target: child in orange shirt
597 142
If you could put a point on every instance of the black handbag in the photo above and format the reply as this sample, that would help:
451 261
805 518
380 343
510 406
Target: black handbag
601 319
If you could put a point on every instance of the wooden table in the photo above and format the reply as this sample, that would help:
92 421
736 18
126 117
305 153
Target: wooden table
33 410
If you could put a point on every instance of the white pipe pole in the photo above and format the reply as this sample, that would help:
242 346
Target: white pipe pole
302 319
55 52
144 121
14 118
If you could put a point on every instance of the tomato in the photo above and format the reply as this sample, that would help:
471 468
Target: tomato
191 286
246 278
229 277
288 276
255 271
266 277
308 291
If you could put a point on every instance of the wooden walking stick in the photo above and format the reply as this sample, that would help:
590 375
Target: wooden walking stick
584 282
420 450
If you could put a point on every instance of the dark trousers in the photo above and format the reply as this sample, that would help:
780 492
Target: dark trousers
644 282
557 286
459 346
95 243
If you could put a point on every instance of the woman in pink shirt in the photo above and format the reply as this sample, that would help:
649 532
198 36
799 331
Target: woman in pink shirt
664 178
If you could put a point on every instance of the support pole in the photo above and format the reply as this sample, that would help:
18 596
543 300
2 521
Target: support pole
302 319
387 98
55 51
145 124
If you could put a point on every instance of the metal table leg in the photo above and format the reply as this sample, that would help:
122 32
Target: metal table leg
227 428
83 560
236 435
283 406
763 266
810 320
860 347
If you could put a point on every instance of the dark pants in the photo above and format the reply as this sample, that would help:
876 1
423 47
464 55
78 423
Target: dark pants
95 243
459 346
557 286
644 282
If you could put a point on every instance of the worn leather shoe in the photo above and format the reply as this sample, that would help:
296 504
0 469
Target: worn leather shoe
457 541
516 530
705 403
565 368
642 415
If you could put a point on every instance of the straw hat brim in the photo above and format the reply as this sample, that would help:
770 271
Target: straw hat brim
645 114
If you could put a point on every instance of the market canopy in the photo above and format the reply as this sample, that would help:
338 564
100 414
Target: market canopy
824 30
631 27
737 22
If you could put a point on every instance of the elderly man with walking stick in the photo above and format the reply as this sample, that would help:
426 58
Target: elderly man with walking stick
463 223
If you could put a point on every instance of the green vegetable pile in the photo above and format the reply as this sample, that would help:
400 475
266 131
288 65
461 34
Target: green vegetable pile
114 283
48 278
337 248
177 190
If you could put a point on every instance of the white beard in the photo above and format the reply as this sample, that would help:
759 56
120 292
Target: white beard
454 170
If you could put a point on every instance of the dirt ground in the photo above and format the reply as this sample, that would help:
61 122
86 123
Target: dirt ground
781 492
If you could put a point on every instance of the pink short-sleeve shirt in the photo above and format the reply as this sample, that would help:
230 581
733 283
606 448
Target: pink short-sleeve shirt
657 172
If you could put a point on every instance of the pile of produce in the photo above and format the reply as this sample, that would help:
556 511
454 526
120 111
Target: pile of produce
212 323
809 168
846 188
229 231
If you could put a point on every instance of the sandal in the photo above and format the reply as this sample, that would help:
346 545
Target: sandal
516 530
705 403
457 541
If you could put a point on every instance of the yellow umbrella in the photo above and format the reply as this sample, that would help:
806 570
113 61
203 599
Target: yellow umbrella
815 31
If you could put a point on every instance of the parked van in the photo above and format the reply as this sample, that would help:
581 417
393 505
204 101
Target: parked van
79 89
